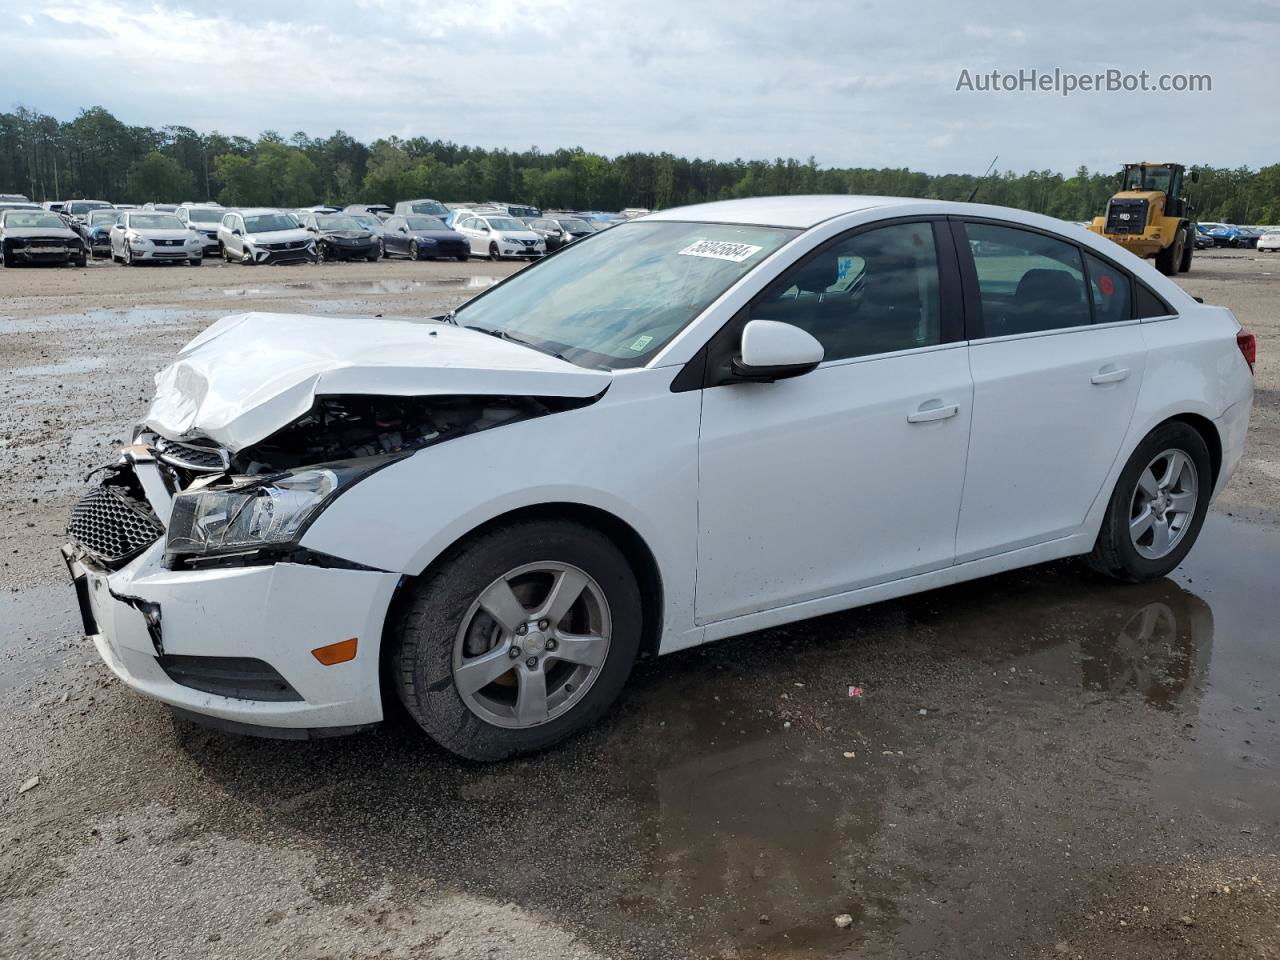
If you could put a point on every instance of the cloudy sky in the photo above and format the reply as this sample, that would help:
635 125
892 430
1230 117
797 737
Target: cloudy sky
867 82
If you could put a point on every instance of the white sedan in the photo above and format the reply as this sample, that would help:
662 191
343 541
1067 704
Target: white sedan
697 424
1270 240
497 236
146 237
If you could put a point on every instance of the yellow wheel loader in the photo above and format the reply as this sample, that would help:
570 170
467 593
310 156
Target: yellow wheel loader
1149 216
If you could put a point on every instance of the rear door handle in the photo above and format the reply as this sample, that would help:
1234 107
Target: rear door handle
1110 374
933 410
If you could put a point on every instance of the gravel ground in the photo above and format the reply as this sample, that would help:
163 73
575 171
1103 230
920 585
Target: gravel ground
1039 765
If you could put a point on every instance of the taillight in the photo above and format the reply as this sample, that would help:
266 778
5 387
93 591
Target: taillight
1248 345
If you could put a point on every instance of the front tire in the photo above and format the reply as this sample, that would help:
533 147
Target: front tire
414 252
1158 506
518 639
493 253
464 258
1188 251
1168 259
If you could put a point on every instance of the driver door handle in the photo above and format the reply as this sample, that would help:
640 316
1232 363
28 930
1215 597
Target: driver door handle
1110 374
933 410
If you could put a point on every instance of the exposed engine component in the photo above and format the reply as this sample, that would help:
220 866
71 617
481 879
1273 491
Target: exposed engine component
350 427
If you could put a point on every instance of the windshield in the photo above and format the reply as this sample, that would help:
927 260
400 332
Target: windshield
506 223
205 214
614 300
425 223
433 207
1147 178
84 206
23 218
574 226
103 216
366 219
156 221
267 222
337 223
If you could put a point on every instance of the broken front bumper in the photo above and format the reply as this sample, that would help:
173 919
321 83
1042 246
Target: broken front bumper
233 644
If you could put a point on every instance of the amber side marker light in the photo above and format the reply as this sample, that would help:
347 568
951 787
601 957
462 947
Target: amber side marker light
339 652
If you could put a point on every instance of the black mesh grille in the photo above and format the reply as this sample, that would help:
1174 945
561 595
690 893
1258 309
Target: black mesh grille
111 525
241 677
1126 215
192 456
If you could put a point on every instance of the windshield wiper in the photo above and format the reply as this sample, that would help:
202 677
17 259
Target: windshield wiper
512 338
450 317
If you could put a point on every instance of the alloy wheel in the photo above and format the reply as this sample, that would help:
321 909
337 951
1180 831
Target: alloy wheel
532 644
1164 504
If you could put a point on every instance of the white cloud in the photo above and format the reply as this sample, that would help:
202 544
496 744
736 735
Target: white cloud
848 84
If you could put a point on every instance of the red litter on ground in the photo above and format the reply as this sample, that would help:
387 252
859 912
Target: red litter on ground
855 692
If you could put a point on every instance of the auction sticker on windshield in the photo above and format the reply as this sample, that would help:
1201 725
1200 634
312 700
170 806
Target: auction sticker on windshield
720 250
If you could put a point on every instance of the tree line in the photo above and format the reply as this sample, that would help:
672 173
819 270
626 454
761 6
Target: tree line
97 156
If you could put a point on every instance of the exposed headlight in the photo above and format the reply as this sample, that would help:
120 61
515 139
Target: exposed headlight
260 513
133 237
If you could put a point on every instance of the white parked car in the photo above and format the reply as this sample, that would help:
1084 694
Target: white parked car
264 236
204 220
144 236
497 236
700 423
1270 240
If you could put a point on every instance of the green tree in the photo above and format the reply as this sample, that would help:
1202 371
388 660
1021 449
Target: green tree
157 177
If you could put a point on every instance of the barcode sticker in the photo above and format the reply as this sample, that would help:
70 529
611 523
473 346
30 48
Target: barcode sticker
720 250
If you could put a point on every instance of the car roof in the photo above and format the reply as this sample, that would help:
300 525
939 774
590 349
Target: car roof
792 211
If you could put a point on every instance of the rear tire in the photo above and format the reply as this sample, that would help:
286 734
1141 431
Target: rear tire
1119 551
442 629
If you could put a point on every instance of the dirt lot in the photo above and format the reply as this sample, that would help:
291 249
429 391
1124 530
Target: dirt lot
1040 766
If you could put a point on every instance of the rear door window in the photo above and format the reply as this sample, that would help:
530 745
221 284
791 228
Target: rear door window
1027 282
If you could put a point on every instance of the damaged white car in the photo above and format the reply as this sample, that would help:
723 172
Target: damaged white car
697 424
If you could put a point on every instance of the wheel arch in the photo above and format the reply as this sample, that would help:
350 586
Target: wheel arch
1208 432
635 550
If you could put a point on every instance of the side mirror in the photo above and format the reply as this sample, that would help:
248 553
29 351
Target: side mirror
774 351
236 232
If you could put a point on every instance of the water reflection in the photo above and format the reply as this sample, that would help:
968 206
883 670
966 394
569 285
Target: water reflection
694 815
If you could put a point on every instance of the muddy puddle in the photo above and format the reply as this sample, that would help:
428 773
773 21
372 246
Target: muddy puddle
1008 737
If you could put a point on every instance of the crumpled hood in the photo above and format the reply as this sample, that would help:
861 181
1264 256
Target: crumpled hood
248 375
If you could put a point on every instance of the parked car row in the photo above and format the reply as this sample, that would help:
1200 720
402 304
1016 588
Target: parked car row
72 231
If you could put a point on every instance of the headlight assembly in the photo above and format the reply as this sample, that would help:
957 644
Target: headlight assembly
271 512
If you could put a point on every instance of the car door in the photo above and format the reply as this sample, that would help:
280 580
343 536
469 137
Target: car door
475 237
850 475
236 238
391 234
1057 364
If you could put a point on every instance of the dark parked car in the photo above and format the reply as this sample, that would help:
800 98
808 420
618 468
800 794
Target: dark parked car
98 232
422 238
340 238
559 231
33 236
80 208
